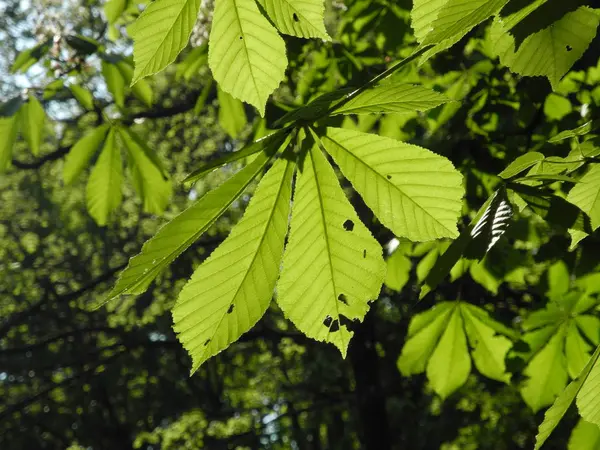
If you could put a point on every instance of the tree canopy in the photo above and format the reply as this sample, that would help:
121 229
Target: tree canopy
290 224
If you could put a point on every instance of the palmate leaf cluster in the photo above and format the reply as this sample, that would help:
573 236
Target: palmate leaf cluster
302 238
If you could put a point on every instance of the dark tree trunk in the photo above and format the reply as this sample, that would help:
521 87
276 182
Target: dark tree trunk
370 398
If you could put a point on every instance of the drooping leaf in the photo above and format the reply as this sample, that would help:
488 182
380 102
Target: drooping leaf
103 190
577 351
233 288
160 33
562 403
585 436
29 57
450 364
32 123
547 373
414 192
398 270
8 135
550 52
83 96
130 135
181 232
246 54
586 195
81 152
148 179
114 82
192 63
332 266
393 98
141 89
423 335
113 10
231 113
301 19
488 348
520 164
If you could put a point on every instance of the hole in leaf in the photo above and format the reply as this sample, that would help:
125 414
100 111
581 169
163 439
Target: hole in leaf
335 326
230 310
351 325
569 48
327 321
342 298
365 253
389 177
348 225
241 37
207 342
295 16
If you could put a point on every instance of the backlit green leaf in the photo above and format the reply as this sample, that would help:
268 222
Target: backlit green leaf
160 33
585 436
8 135
231 113
233 288
398 270
393 98
414 192
297 18
114 82
83 96
450 364
586 195
181 232
520 164
332 265
550 52
32 119
246 54
588 400
82 151
103 190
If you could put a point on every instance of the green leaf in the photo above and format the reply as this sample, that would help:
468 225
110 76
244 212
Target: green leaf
547 374
457 17
579 131
191 64
233 288
560 406
273 139
114 82
246 54
393 98
488 348
232 117
450 364
297 18
414 192
559 280
160 33
113 10
398 270
83 96
556 106
577 350
332 266
103 190
181 232
29 57
33 118
81 152
520 164
136 140
8 135
141 89
423 335
588 400
586 195
480 273
585 436
148 179
550 52
422 16
426 263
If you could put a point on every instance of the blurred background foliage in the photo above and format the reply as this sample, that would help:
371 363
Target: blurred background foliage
116 378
